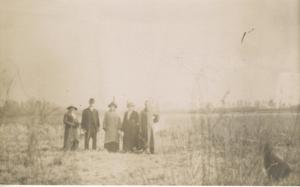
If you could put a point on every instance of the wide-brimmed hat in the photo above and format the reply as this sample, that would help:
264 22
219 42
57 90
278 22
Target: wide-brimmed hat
71 107
113 104
130 104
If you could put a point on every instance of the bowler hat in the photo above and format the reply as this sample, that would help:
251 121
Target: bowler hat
70 107
113 104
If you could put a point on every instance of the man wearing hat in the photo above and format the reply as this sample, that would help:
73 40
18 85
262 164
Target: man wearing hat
71 129
130 128
90 123
111 126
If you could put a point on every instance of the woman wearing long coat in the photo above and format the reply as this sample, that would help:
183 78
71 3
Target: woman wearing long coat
130 128
147 119
112 126
71 140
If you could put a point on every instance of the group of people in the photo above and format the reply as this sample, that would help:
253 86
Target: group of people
136 129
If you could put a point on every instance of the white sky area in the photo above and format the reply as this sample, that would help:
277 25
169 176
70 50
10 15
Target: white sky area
174 52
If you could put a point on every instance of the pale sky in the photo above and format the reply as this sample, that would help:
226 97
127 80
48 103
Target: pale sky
174 52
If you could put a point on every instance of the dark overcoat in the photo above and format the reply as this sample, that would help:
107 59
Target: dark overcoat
71 139
90 121
130 127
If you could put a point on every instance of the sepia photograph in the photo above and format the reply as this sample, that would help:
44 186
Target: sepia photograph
150 92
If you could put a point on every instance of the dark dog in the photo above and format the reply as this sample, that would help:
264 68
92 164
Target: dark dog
275 167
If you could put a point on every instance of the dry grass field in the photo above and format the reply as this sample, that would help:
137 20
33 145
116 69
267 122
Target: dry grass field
192 149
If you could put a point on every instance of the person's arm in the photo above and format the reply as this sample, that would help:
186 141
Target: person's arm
76 122
120 131
98 121
119 123
140 120
123 123
105 122
83 120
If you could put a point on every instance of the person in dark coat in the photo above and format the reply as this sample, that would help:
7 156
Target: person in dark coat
90 123
71 139
130 128
112 126
147 119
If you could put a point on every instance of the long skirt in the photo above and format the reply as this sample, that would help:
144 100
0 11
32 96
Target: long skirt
130 139
71 141
111 146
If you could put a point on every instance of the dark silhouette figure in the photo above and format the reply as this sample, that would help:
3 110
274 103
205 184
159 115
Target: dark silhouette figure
130 128
90 123
275 167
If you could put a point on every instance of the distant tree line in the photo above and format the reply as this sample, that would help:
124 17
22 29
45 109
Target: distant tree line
246 106
12 108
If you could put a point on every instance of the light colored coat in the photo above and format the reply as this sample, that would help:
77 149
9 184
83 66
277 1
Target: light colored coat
147 119
111 125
